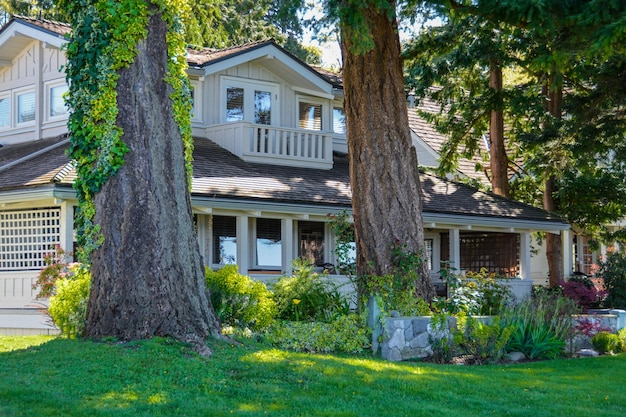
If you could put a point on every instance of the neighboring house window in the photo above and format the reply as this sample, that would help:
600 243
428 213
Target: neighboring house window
309 115
249 101
26 107
26 236
224 240
339 121
268 243
56 100
311 238
5 112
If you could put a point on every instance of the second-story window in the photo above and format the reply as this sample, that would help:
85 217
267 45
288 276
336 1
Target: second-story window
339 121
249 101
56 101
5 112
26 107
309 115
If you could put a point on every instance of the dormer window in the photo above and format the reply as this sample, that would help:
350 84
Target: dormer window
5 111
339 121
309 114
56 108
249 101
25 107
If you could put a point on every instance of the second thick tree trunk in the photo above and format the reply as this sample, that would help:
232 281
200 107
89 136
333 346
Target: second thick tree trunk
386 190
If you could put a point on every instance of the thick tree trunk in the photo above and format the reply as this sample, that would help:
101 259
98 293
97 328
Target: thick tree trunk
554 244
148 277
499 161
386 190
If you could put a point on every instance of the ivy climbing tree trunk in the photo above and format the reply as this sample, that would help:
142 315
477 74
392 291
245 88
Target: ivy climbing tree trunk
147 274
386 190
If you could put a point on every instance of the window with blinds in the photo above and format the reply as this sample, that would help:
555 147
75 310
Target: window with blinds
224 240
310 116
234 104
26 236
26 107
5 112
339 121
57 102
311 238
268 243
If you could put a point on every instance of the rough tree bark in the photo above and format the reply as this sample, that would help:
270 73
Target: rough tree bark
148 277
499 162
386 190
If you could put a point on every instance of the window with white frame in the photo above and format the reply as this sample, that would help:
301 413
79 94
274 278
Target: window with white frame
224 240
5 111
268 243
339 121
26 108
196 100
250 101
311 242
56 100
26 236
310 114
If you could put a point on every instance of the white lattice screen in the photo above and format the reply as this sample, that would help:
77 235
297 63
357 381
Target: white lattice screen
26 236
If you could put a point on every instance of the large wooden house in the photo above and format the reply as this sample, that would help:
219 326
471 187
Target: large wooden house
269 165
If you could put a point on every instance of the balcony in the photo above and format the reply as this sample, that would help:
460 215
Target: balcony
275 145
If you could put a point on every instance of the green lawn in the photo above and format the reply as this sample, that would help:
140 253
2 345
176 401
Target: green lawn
60 377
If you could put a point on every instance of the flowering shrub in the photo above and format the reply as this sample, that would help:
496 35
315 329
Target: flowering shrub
68 305
346 334
57 265
240 301
317 299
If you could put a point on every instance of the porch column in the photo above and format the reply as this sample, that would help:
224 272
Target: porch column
455 249
524 255
287 246
243 244
66 231
568 256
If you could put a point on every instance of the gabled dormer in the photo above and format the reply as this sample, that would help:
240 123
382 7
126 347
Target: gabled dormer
32 83
266 106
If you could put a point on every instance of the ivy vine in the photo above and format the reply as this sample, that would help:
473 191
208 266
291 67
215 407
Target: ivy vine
103 41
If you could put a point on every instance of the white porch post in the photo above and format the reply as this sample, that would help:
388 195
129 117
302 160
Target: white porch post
67 226
524 255
566 240
243 244
455 249
287 238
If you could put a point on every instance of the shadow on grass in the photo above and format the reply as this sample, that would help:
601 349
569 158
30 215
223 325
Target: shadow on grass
161 377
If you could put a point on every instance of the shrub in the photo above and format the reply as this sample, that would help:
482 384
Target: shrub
583 291
240 301
541 324
345 334
307 296
57 265
484 342
613 271
605 342
443 341
476 293
68 305
621 334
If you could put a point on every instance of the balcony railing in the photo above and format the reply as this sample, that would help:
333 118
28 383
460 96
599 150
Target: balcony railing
275 145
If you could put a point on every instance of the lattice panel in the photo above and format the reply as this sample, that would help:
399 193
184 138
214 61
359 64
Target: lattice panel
496 252
26 236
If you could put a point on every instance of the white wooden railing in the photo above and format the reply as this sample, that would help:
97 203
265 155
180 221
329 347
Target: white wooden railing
275 145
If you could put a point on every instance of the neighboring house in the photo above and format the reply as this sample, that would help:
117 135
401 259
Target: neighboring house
269 165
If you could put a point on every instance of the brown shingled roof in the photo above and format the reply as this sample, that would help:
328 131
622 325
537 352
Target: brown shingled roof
220 174
58 28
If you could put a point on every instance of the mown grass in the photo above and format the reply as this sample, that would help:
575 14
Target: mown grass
60 377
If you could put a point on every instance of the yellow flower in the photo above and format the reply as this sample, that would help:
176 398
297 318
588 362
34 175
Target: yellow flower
296 301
